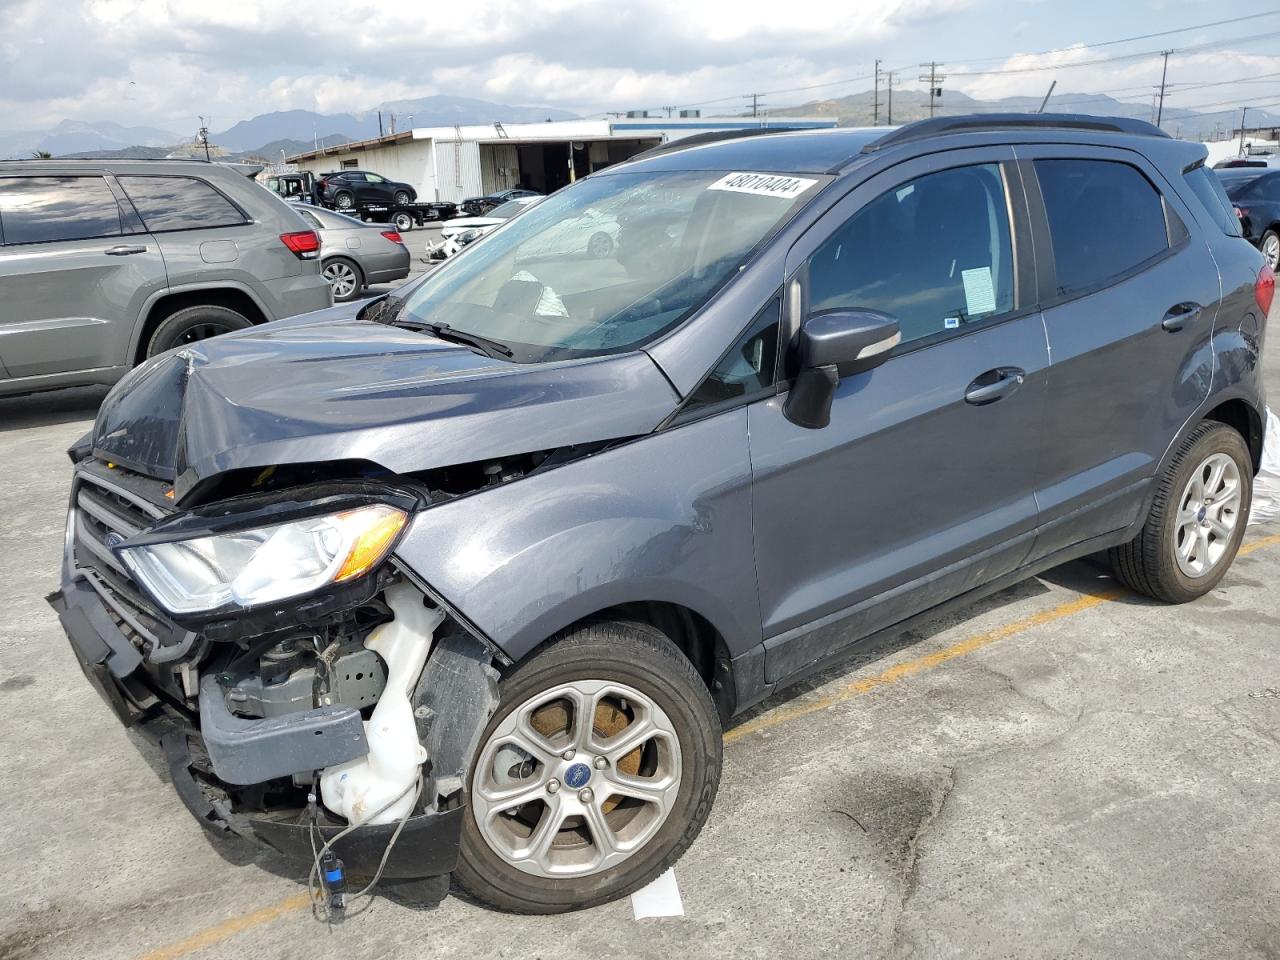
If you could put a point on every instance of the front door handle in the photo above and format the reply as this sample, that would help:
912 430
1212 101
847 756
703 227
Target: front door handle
124 250
994 384
1180 315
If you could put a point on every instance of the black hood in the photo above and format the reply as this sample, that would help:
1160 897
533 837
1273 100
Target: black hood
327 386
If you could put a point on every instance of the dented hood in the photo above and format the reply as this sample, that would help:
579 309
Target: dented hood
327 386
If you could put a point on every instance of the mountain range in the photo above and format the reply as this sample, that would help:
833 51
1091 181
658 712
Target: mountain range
288 132
265 135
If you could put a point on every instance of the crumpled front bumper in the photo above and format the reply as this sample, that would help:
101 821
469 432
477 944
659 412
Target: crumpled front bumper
428 843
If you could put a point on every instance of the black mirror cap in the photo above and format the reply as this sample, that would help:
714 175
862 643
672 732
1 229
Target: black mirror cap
852 340
835 343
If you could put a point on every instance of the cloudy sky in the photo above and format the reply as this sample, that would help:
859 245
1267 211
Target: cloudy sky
162 62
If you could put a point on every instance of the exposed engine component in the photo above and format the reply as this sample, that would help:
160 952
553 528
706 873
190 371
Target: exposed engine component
289 674
377 788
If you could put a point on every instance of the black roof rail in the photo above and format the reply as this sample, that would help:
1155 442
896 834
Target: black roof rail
983 123
711 136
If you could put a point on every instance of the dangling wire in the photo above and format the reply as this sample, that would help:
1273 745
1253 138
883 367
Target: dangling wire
322 913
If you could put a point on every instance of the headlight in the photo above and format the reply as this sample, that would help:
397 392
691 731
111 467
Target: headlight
265 564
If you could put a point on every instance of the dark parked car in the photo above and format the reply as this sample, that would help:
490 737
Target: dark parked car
104 263
345 189
480 206
486 566
1256 195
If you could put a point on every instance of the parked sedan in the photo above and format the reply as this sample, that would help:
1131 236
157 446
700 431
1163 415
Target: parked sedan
480 206
354 254
345 189
1256 194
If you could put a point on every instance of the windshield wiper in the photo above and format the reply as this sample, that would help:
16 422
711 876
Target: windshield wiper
446 332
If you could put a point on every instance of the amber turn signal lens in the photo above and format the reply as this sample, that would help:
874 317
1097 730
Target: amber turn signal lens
370 545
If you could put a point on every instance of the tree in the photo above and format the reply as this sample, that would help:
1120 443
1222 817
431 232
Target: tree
41 155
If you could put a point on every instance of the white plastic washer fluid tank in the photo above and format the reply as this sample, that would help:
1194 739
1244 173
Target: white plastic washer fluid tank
358 788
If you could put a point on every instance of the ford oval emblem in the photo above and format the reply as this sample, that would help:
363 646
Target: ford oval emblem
577 776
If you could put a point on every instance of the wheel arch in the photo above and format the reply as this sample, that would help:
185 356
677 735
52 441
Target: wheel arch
1245 420
167 304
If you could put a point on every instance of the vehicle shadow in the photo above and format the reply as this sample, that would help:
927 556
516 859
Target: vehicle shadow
1089 576
50 408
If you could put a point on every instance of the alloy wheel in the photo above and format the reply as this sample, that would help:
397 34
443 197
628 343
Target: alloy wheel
1208 513
576 779
342 278
1271 250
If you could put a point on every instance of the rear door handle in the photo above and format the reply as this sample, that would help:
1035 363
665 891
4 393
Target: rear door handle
994 384
1180 315
124 250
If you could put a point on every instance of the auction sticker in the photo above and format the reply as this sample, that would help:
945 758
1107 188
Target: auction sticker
764 184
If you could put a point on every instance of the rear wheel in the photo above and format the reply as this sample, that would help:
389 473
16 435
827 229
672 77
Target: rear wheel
1271 249
1197 519
402 197
345 279
403 222
344 201
193 324
595 773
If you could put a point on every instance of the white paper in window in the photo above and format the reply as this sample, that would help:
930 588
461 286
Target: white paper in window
979 291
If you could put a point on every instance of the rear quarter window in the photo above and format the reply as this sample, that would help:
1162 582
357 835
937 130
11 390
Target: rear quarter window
1213 198
180 203
1105 220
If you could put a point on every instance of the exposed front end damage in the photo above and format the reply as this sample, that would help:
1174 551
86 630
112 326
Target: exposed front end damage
288 723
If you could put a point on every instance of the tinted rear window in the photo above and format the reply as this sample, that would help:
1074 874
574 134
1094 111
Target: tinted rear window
179 203
1208 190
1105 219
44 209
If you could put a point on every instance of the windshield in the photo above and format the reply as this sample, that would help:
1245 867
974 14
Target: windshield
505 211
609 263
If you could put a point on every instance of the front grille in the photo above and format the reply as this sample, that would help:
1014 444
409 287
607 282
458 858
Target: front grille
105 513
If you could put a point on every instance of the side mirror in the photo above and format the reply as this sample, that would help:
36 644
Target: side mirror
836 343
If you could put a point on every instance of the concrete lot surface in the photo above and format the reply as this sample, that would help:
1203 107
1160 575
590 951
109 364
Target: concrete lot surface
1064 770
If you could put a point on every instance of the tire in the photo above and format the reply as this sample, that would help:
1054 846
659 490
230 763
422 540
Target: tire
1270 247
193 324
344 201
600 245
609 656
402 222
1149 564
346 280
401 198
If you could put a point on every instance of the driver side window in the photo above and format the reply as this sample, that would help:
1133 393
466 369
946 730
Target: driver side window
935 252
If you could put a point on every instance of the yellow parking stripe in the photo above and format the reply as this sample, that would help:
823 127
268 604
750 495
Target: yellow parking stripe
215 935
229 928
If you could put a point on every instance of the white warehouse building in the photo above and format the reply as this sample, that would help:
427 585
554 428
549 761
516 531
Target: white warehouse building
453 163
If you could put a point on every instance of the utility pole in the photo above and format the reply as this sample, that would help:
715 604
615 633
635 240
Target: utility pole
755 104
1244 112
890 79
380 134
875 110
203 137
933 78
1164 75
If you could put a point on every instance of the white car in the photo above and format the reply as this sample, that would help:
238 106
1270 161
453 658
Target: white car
458 232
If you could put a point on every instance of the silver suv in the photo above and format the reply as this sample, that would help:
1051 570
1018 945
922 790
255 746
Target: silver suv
106 263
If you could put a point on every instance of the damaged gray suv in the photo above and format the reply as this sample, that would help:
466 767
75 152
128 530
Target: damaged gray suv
467 581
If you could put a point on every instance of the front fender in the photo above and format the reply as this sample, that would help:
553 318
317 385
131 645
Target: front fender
665 518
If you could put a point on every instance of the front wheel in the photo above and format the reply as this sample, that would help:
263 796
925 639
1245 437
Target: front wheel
403 222
1197 519
594 775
